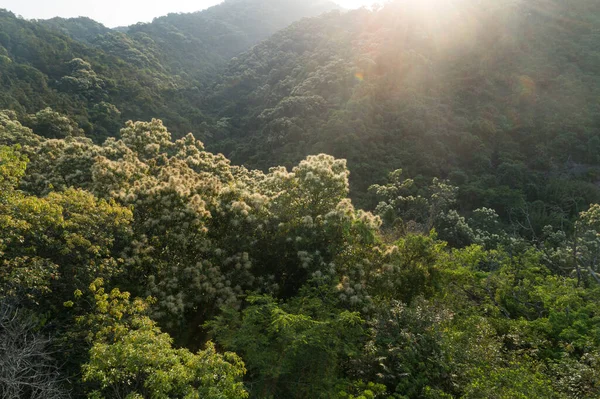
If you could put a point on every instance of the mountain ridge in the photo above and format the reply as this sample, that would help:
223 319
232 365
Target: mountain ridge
152 70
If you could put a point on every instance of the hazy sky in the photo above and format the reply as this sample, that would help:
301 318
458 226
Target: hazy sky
114 13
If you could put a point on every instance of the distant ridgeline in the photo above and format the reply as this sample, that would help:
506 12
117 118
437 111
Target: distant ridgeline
498 97
101 77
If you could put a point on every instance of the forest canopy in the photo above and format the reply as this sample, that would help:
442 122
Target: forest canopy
142 256
411 209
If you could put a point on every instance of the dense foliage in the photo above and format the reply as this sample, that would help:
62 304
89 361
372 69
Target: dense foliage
135 263
500 97
314 297
101 78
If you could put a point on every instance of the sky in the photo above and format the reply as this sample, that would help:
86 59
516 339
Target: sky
113 13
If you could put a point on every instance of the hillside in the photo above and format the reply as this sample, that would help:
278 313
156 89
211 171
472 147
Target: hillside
195 45
41 68
498 96
408 206
101 78
222 31
81 29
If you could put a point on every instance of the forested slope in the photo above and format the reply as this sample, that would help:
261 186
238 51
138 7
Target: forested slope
41 67
145 266
82 29
121 262
186 41
498 96
195 45
101 78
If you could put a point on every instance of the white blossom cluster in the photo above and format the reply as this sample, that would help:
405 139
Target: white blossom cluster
206 232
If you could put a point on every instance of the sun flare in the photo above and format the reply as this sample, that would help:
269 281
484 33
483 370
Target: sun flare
432 6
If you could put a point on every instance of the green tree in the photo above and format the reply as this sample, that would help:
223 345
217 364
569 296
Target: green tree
131 358
292 349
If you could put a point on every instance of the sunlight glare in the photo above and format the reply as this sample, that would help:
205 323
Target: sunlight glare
430 5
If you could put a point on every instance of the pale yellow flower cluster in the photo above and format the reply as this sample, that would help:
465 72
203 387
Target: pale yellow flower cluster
207 232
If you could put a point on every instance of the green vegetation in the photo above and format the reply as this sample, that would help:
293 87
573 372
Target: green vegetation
101 78
135 263
315 297
499 97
